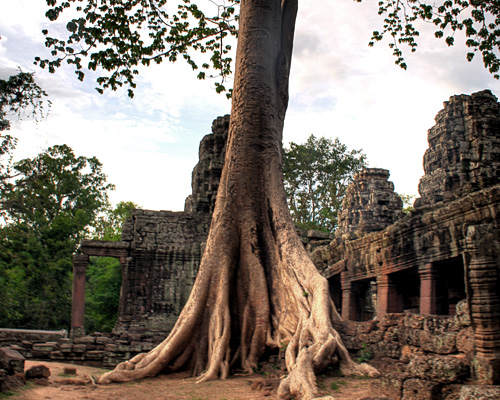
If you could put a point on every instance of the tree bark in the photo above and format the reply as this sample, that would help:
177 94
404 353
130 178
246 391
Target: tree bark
256 286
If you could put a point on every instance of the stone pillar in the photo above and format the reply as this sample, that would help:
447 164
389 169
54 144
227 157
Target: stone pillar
348 299
428 289
388 300
483 289
80 262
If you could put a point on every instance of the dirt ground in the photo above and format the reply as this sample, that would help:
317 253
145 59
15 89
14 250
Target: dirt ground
61 386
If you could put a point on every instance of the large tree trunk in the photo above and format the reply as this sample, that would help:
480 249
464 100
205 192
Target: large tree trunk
256 286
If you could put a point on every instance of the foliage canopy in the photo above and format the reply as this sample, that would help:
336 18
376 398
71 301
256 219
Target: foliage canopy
117 37
53 200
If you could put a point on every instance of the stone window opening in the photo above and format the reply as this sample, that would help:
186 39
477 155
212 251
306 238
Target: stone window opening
443 286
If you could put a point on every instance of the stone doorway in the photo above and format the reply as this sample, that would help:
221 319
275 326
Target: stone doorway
407 283
365 295
102 288
450 286
335 287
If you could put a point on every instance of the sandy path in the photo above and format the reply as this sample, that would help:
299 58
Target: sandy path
178 387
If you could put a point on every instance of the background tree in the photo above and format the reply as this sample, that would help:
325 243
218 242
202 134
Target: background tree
19 96
408 200
7 146
109 225
316 176
256 287
54 200
104 277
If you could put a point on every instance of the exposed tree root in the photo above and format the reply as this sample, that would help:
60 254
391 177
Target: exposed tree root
255 294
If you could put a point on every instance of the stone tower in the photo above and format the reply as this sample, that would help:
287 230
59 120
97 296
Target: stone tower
464 149
370 204
206 174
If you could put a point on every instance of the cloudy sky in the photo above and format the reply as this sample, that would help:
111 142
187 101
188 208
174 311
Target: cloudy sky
339 88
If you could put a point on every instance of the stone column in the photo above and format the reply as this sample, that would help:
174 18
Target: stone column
80 262
483 289
348 299
388 300
428 289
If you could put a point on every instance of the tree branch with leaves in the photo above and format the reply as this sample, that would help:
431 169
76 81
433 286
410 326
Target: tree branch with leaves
119 36
479 20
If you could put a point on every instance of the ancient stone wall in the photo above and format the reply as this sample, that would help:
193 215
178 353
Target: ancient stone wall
98 350
159 253
413 351
165 251
444 252
166 248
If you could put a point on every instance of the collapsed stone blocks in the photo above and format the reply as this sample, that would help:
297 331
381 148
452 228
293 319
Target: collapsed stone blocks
11 369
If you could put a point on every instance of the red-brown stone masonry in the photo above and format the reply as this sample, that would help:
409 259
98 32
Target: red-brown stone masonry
388 299
428 282
348 300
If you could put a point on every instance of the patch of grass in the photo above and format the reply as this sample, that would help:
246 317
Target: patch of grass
10 393
335 386
365 354
257 369
62 374
334 372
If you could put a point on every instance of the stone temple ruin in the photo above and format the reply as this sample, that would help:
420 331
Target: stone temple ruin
160 251
421 290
